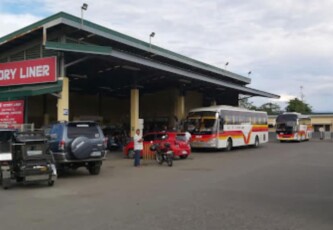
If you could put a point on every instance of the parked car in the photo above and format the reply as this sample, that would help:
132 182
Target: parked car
177 142
78 144
116 137
25 157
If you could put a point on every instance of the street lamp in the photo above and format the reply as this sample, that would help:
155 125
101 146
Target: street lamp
83 7
225 65
249 73
151 36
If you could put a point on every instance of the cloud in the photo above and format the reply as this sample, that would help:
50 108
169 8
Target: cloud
286 44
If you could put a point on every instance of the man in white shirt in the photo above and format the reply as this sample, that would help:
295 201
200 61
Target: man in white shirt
138 146
187 136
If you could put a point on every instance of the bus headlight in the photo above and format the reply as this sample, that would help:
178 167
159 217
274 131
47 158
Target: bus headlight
212 141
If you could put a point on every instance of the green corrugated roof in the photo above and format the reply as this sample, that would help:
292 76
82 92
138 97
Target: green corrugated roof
125 39
15 92
79 47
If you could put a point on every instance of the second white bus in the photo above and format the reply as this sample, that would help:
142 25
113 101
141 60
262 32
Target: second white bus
226 127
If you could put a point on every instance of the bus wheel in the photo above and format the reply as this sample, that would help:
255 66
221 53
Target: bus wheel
256 142
229 145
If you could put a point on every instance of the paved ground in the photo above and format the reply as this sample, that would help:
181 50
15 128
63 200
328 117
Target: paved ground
278 186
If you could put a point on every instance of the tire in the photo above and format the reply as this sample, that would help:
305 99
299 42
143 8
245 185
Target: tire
94 169
229 145
50 183
130 153
169 161
81 147
183 157
256 142
6 184
159 158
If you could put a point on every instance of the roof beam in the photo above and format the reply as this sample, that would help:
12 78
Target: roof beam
156 65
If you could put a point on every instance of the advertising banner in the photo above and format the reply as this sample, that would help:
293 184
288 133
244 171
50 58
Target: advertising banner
28 72
12 112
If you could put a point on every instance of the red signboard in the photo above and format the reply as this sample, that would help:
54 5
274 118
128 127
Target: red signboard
11 112
28 72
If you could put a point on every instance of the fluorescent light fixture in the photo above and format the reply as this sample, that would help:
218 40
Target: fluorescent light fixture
130 68
78 76
106 88
185 81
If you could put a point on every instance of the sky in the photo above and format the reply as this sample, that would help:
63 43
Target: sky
287 45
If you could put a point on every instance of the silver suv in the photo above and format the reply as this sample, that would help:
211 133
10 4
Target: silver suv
78 144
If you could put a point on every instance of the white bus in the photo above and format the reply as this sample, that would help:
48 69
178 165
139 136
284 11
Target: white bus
226 127
291 126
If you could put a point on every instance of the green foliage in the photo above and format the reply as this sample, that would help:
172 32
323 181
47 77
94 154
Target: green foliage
270 108
245 103
296 105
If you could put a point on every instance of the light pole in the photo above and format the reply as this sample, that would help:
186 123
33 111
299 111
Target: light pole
249 73
83 7
151 36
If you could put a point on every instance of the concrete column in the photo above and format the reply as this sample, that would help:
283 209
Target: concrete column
46 118
63 101
45 111
134 111
180 107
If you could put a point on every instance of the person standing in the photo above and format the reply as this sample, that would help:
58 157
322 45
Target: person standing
188 136
138 147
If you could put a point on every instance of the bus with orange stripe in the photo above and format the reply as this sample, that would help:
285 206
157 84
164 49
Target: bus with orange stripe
291 126
225 127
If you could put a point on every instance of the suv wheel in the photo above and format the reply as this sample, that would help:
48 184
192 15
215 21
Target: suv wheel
94 168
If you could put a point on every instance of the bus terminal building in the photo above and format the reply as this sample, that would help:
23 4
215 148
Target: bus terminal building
65 68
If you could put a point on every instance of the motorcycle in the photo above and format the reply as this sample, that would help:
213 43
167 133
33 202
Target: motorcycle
162 153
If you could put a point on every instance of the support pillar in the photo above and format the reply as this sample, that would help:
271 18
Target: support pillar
134 111
179 111
63 101
180 107
46 115
46 118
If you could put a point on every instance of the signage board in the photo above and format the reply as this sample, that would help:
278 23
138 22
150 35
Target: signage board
12 112
33 71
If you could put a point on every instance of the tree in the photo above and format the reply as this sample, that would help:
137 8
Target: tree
245 103
296 105
270 108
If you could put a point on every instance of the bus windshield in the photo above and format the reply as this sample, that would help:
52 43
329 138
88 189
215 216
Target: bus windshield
286 122
201 123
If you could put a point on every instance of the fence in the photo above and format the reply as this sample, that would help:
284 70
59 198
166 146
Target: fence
147 154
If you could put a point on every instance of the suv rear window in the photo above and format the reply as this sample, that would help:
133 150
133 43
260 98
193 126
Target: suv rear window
89 130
